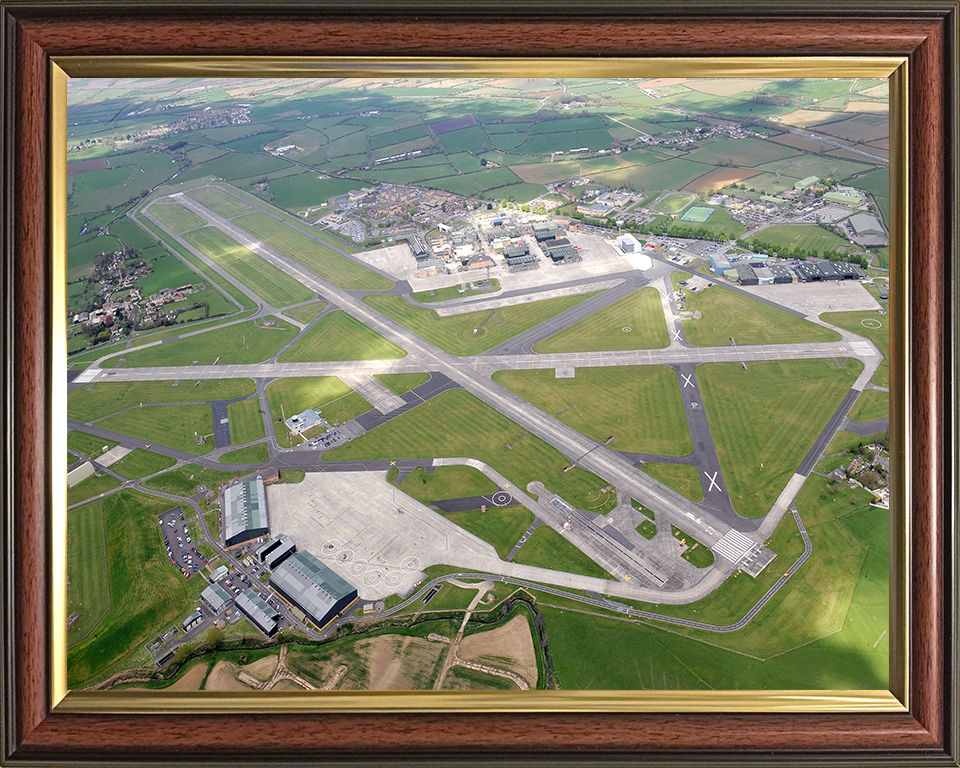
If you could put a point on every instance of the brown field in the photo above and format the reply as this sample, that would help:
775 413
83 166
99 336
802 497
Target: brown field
719 178
881 143
862 128
85 166
663 82
286 685
804 118
847 155
725 87
399 663
224 678
317 671
877 92
262 669
800 142
191 679
508 647
866 106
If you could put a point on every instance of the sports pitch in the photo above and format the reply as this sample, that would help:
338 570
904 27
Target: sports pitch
697 214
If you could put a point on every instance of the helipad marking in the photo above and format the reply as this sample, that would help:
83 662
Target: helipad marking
713 480
687 380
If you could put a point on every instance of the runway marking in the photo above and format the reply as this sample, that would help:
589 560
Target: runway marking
676 334
733 545
713 481
393 463
687 380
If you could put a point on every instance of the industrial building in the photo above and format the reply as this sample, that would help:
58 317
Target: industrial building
546 231
843 198
764 274
865 225
258 611
720 265
781 273
276 550
849 271
308 584
809 272
829 271
244 512
745 274
192 620
807 182
216 597
218 573
628 243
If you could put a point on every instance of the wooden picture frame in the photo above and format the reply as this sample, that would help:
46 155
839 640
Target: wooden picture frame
34 34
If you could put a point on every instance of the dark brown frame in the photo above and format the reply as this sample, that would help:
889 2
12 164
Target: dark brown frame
925 32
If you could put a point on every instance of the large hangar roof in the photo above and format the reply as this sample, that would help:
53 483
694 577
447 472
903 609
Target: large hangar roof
310 583
245 508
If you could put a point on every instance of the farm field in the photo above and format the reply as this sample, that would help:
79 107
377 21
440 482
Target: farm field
807 237
455 334
336 399
639 407
482 433
683 478
260 277
328 265
171 425
751 428
641 312
339 336
246 342
726 312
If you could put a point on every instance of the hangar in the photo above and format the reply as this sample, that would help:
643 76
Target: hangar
258 611
245 512
303 581
216 597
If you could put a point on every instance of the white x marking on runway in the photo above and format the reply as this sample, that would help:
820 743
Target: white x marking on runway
686 380
676 334
713 481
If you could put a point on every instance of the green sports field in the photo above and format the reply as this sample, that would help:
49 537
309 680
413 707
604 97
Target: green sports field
261 278
697 214
339 336
455 334
675 202
640 407
750 427
640 312
455 423
324 262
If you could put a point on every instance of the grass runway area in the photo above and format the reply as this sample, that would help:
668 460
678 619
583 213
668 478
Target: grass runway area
872 404
184 480
252 454
500 526
171 425
455 423
641 313
92 486
640 407
103 398
455 334
399 383
87 445
140 463
175 217
752 426
854 322
683 478
246 421
219 202
548 549
88 589
339 336
454 482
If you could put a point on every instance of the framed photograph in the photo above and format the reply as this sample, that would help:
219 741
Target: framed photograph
409 373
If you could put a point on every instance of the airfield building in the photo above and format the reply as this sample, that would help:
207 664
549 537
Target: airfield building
192 620
258 611
720 265
781 273
807 182
216 597
244 512
764 274
277 554
628 243
308 584
830 272
809 272
746 275
865 225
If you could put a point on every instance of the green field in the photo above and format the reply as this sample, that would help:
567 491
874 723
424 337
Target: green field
247 342
727 312
184 480
853 321
175 217
500 526
695 553
103 398
454 482
246 421
219 202
455 423
88 588
335 268
146 594
808 238
87 445
308 312
747 152
455 334
92 486
339 336
751 428
545 548
647 529
454 292
261 278
872 404
683 478
336 399
252 454
640 407
140 463
641 312
170 425
719 224
398 383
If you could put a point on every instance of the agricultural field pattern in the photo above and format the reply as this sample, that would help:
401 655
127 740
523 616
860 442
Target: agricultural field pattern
575 384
